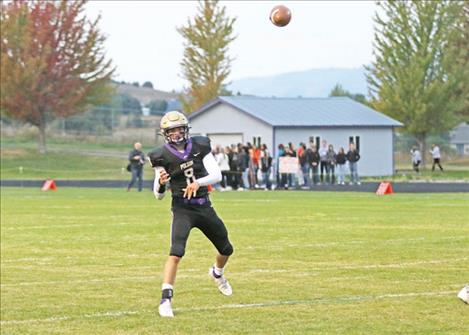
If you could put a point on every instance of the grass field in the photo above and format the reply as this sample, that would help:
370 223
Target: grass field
62 165
89 261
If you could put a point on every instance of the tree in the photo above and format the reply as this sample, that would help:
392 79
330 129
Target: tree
339 91
461 48
414 77
157 107
225 91
147 84
52 62
130 105
206 64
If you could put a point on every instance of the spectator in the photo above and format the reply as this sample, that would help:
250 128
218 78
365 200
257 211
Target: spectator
256 162
137 159
266 166
416 158
300 149
281 177
323 158
251 167
290 152
304 164
353 157
435 151
331 164
222 159
244 164
341 159
314 159
235 176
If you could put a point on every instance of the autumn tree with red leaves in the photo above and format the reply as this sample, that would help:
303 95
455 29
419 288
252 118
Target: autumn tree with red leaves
52 62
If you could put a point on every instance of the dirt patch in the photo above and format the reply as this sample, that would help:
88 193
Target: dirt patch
13 153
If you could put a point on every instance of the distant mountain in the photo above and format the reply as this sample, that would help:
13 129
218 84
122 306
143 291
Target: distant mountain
308 83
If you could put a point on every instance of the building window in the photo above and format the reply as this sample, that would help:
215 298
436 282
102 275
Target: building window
355 141
256 140
316 140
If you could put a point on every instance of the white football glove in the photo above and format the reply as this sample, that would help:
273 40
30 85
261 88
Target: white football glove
464 294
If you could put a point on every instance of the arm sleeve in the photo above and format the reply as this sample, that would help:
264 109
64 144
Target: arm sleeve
214 172
158 190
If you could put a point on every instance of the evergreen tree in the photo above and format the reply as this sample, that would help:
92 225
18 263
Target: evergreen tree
339 91
414 76
206 64
147 84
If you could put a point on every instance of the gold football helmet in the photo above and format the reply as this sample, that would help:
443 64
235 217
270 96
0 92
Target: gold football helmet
171 120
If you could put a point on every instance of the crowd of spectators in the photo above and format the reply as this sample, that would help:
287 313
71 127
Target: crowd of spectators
252 167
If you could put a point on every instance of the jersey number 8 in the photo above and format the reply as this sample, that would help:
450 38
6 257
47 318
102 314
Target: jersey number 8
189 173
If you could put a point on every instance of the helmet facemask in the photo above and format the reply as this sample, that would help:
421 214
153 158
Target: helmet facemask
173 136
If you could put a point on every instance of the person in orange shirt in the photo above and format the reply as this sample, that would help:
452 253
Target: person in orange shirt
256 159
300 149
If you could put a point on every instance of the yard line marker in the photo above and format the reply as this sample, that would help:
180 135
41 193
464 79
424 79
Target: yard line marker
117 314
84 281
399 265
337 267
70 226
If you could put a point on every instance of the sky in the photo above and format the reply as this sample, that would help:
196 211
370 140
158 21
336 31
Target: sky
144 44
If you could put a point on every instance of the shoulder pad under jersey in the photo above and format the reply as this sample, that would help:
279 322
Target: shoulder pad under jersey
156 157
203 143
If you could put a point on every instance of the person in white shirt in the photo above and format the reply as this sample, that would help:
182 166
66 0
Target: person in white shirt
416 158
323 160
222 159
435 151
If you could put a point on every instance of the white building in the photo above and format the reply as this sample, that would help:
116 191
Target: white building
274 121
460 138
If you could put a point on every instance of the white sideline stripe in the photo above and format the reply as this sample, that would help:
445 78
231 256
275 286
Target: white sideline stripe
319 244
326 244
70 226
324 300
234 306
91 281
339 267
87 281
397 265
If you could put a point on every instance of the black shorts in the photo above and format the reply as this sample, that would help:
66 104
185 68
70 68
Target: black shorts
203 217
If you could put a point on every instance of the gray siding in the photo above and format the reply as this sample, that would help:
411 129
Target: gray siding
376 144
223 118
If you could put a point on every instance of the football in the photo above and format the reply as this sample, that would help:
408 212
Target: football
280 15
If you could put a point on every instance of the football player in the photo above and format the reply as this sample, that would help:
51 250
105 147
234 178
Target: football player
187 164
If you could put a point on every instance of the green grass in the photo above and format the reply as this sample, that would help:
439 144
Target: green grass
89 261
66 159
64 144
449 174
28 164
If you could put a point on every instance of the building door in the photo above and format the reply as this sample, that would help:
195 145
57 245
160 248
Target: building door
225 139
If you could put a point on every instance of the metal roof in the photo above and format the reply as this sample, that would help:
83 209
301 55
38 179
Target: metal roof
322 112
